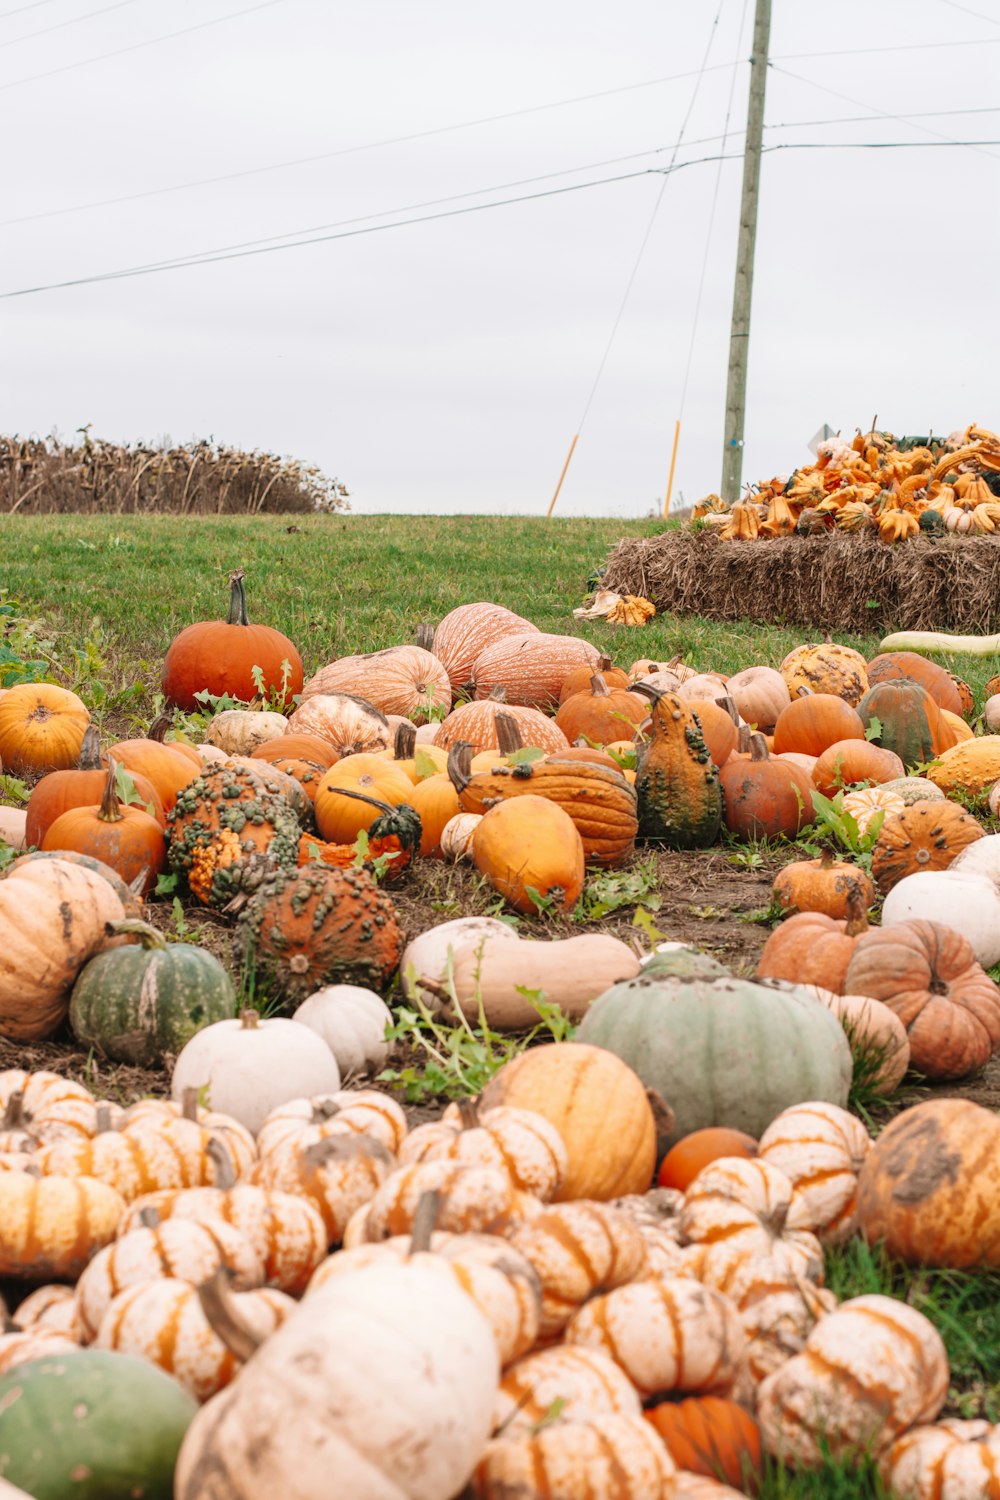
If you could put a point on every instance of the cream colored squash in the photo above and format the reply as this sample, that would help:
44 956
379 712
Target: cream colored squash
239 731
12 826
961 899
570 972
981 857
427 956
352 1021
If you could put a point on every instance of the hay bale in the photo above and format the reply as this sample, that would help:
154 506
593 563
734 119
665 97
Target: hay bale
831 582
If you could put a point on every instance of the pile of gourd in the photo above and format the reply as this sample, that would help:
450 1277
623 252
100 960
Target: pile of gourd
871 485
242 1303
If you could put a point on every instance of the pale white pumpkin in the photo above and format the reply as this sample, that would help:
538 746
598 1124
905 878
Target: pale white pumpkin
962 899
382 1382
981 857
13 821
248 1067
239 731
457 834
991 713
352 1022
427 956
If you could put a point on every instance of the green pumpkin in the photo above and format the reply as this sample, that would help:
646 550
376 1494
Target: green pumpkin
908 718
680 803
721 1050
136 1003
92 1425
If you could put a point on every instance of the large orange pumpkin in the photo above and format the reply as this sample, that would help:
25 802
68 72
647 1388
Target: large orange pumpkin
764 796
220 656
41 727
531 851
847 762
812 723
340 819
531 668
894 666
710 1435
467 630
57 792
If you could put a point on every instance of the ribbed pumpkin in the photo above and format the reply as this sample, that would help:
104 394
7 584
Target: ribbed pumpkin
720 1050
598 798
341 818
168 765
812 723
579 680
41 727
136 1003
811 948
529 845
909 720
601 714
680 803
826 668
475 724
220 657
468 630
949 1460
607 1454
825 884
851 761
896 666
309 927
970 766
404 680
57 792
710 1435
760 694
530 668
598 1105
53 1224
349 725
765 796
126 838
226 831
924 836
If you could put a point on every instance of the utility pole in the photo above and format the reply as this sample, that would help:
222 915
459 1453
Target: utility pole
739 338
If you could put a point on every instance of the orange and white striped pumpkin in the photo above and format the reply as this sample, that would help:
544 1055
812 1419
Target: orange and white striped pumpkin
607 1455
178 1248
477 1199
666 1333
475 724
578 1249
529 669
740 1204
360 1111
466 631
516 1141
159 1113
585 1382
337 1175
162 1321
142 1160
867 803
403 680
950 1461
689 1486
286 1231
52 1306
457 835
24 1344
45 1105
868 1371
53 1225
821 1149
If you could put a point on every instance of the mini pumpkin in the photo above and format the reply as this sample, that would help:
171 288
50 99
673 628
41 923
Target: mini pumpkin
517 1141
604 1455
531 851
577 1250
825 884
811 948
710 1435
41 727
126 838
821 1149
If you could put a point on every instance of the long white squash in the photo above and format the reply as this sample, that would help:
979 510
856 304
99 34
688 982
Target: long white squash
929 642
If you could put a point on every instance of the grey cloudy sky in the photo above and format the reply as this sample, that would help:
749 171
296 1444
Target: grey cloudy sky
445 366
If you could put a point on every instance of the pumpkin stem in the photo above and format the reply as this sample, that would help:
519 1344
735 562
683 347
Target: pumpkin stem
508 734
663 1116
342 1148
7 1324
103 1119
468 1113
647 690
405 742
14 1116
424 1219
599 687
149 1217
498 695
460 765
425 635
110 809
132 927
249 1020
189 1104
758 747
222 1161
219 1306
237 600
158 728
90 750
857 916
729 704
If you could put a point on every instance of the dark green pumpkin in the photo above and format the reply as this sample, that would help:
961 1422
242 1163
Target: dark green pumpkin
680 803
720 1050
136 1003
93 1425
909 720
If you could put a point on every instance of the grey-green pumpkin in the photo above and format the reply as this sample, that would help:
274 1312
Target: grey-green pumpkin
95 1425
720 1050
138 1002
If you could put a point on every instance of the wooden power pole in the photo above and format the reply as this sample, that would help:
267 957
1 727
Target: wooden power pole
739 338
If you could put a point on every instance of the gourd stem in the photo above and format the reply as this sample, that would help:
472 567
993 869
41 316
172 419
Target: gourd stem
14 1117
219 1306
424 1220
103 1119
158 728
647 690
132 927
248 1020
460 765
189 1104
663 1116
425 635
758 748
149 1217
90 750
405 742
498 695
468 1112
222 1161
342 791
729 704
237 600
110 808
509 739
599 687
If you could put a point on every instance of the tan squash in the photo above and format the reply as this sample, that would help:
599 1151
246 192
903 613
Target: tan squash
569 972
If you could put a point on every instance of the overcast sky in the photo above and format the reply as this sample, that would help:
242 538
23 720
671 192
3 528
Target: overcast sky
446 365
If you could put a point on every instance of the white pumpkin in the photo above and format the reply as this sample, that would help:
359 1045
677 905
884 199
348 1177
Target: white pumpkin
961 899
457 835
981 857
239 731
352 1022
248 1067
426 957
382 1382
991 713
13 821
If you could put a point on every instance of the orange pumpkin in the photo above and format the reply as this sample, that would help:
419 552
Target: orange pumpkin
127 839
57 792
168 767
826 669
579 680
907 665
41 727
404 680
531 668
231 656
847 762
307 747
925 836
435 799
764 795
340 819
824 884
696 1151
468 630
812 723
811 948
718 722
711 1435
602 714
531 851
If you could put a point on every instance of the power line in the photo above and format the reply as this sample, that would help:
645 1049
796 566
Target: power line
977 41
396 140
73 21
19 9
954 5
184 263
166 36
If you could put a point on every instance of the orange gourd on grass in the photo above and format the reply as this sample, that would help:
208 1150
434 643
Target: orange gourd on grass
530 845
231 656
812 723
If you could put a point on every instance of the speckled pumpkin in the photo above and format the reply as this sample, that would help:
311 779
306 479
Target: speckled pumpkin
925 836
226 831
314 926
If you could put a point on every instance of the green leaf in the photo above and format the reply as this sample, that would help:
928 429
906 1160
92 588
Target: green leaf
425 764
165 885
874 730
525 756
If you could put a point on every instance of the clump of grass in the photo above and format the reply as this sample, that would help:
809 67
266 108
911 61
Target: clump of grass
854 1477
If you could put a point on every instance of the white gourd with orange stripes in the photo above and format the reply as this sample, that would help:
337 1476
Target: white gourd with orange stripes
479 1199
337 1175
740 1205
952 1460
666 1333
286 1231
699 1487
22 1345
178 1248
173 1153
504 1287
578 1249
46 1106
52 1306
236 1138
868 1371
821 1149
306 1121
162 1321
586 1382
516 1141
608 1455
53 1225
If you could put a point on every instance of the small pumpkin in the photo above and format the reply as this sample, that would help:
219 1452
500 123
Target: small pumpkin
124 837
847 762
516 1141
909 720
41 727
697 1150
59 791
580 679
812 723
53 1224
825 884
710 1435
812 948
951 1459
602 714
353 1023
167 765
479 725
227 831
907 666
923 837
348 725
965 901
240 731
531 851
871 803
578 1249
231 657
760 694
821 1149
603 1455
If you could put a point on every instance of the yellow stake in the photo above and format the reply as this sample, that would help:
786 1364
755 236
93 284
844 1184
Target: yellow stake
673 465
562 476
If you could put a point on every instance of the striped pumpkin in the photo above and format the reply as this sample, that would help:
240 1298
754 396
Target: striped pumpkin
578 1249
22 1345
475 724
742 1205
516 1141
821 1149
138 1161
530 669
52 1225
952 1460
337 1175
585 1381
350 1111
467 631
607 1455
477 1199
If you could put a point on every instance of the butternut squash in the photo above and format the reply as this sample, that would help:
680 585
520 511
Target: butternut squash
570 973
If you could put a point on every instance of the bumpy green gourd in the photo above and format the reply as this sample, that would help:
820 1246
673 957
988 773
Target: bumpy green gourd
680 802
227 832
